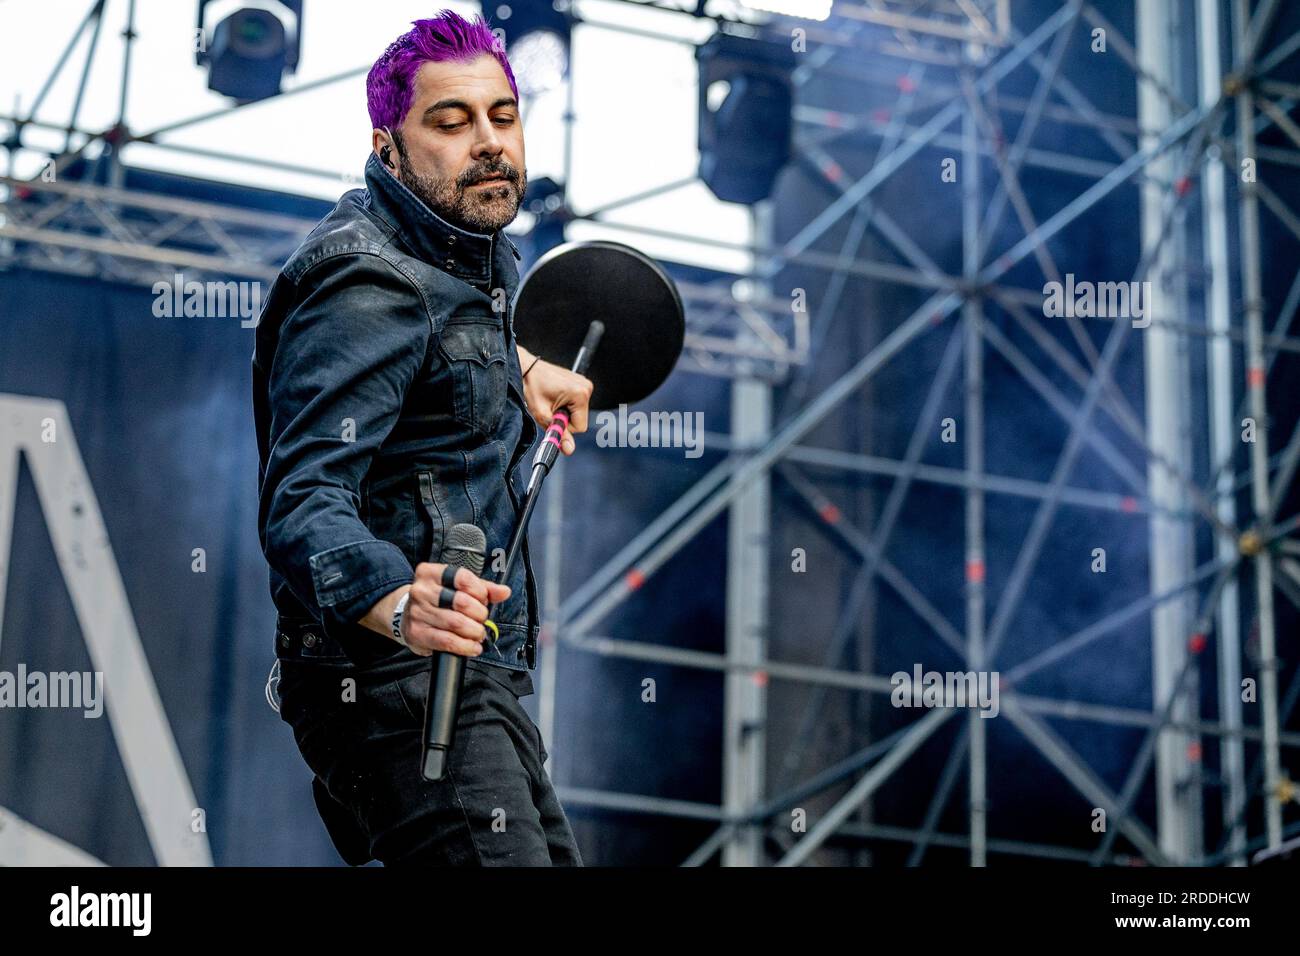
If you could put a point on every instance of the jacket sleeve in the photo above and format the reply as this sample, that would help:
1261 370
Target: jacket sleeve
346 355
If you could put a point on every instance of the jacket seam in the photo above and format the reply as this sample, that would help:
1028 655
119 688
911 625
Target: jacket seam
374 252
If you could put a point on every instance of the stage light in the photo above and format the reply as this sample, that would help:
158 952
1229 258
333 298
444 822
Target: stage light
248 46
745 125
540 60
537 42
804 9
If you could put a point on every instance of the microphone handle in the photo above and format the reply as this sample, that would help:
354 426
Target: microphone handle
446 677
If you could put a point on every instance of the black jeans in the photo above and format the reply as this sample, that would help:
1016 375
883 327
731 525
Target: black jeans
359 731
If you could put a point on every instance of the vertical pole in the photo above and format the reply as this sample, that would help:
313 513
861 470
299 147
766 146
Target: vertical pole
745 698
117 176
11 160
1253 306
129 36
550 611
1168 386
972 314
1222 433
552 597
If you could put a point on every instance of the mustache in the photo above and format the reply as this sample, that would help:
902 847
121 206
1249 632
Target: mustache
504 170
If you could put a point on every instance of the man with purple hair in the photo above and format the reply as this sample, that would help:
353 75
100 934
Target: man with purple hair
392 403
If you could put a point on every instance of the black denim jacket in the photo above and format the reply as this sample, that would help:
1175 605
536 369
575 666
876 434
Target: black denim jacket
389 406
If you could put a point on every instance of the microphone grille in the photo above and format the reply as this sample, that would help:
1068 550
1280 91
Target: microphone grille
465 547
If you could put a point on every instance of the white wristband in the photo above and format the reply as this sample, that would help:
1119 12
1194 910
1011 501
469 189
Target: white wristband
399 612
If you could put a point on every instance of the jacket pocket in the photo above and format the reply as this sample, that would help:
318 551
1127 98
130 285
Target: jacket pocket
475 350
391 512
433 521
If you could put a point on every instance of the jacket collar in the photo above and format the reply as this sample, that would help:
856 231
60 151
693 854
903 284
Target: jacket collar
458 252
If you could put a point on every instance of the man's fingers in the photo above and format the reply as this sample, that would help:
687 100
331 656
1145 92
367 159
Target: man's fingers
481 590
429 574
427 595
448 620
425 640
578 420
470 606
581 403
428 577
467 582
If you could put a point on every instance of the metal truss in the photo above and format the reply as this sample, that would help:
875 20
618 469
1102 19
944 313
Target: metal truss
974 23
1179 154
131 236
1168 150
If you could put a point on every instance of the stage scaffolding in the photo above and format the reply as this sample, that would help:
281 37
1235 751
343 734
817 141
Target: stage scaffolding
1179 149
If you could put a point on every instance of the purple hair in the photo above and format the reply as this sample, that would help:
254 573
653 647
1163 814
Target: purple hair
448 36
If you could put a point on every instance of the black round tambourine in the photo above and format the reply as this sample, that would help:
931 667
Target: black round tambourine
628 291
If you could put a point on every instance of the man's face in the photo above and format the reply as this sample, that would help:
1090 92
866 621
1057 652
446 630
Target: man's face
464 127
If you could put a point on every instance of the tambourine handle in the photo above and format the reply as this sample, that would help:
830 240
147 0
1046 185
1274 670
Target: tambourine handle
590 342
550 447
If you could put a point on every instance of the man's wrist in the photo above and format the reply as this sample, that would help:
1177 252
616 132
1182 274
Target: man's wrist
526 359
380 616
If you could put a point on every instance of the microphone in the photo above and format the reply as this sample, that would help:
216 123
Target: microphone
465 547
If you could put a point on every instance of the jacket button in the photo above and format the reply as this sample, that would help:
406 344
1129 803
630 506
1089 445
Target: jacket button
284 640
309 639
451 263
451 240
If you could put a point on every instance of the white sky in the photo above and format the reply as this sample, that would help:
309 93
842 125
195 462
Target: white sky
635 125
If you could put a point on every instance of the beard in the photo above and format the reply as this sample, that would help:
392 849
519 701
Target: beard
482 209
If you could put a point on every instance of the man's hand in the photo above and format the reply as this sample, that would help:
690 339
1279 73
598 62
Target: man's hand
427 626
548 388
458 629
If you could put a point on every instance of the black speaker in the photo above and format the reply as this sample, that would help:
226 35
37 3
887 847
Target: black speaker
746 140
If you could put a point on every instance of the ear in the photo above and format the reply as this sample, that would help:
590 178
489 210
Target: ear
382 144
